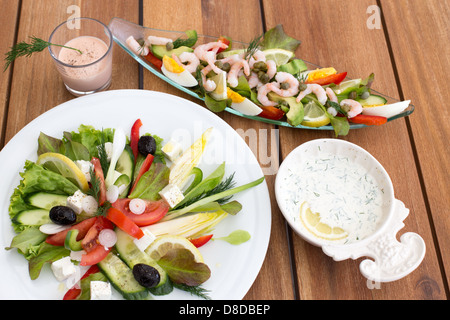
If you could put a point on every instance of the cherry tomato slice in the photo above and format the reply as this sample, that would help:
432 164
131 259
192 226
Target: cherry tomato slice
154 211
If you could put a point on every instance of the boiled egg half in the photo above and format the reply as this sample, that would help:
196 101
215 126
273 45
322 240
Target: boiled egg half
242 104
387 110
175 72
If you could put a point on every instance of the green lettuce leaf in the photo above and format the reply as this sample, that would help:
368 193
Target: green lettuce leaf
152 182
91 138
28 242
47 254
276 38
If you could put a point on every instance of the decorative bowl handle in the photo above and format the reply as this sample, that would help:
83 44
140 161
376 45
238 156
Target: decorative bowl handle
392 259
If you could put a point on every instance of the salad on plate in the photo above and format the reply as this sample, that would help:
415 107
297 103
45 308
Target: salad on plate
266 81
111 212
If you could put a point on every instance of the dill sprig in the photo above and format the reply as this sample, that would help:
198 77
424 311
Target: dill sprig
27 49
224 185
193 290
102 155
95 185
252 47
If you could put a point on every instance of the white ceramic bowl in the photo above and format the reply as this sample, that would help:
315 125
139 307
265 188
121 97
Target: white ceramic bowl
389 259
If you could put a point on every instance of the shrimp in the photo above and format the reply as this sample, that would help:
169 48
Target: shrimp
157 41
253 80
352 107
271 68
234 72
263 91
201 50
191 59
209 85
136 47
317 90
284 77
331 95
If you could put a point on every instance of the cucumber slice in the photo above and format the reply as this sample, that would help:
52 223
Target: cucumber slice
131 254
125 163
47 201
123 180
121 278
34 217
71 242
373 100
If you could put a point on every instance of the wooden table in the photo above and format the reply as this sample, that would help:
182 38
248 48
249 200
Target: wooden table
407 49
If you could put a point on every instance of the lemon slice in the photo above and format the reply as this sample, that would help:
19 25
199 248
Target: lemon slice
63 165
311 221
181 168
315 116
220 93
231 52
164 243
280 56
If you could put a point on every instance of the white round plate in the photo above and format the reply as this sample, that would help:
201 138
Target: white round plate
233 267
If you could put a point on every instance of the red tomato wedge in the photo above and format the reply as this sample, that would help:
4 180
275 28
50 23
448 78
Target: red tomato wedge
90 240
124 223
271 113
200 241
134 137
223 40
334 78
75 291
154 211
83 228
144 168
100 176
97 254
368 120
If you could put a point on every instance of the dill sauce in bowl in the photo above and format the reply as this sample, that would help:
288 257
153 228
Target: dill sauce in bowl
337 196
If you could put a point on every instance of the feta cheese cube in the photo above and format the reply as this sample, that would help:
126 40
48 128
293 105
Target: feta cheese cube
85 167
145 241
172 150
172 195
100 290
76 201
63 268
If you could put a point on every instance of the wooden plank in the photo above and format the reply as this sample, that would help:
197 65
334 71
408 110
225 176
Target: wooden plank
422 56
36 86
225 18
334 33
7 34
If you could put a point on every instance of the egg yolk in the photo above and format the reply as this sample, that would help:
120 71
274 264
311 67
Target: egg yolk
171 65
321 73
234 96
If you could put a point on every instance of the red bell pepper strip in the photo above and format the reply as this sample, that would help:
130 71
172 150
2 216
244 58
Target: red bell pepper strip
271 113
99 174
124 223
154 60
144 168
83 228
334 78
223 40
75 291
154 211
200 241
134 138
368 120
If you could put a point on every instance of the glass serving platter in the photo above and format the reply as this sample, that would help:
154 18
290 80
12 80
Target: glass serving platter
122 29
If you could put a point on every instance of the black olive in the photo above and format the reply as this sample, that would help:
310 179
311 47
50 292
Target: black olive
146 275
146 145
62 215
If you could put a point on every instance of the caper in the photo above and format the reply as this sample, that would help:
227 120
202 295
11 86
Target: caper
352 95
284 86
365 95
169 46
264 78
220 55
302 87
218 64
210 74
226 67
261 65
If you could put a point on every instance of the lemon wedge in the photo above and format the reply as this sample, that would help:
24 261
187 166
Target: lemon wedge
315 116
164 243
312 222
280 56
61 164
182 166
220 93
